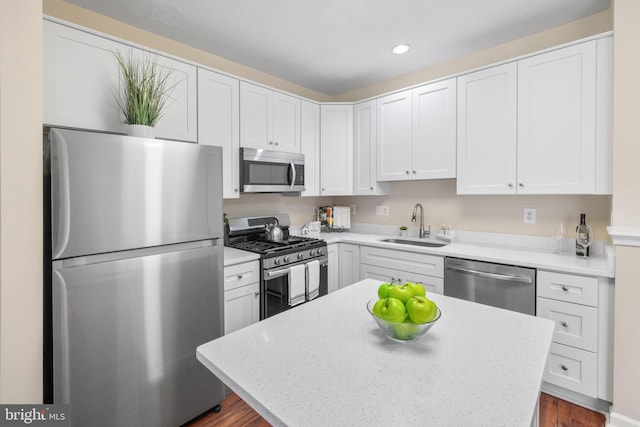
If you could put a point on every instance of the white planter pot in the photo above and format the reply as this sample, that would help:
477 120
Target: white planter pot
142 131
403 233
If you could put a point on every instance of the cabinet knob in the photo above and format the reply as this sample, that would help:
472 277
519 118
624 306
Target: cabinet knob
564 368
510 185
257 294
239 276
277 143
323 189
270 142
235 190
520 184
371 188
565 324
414 172
564 288
407 172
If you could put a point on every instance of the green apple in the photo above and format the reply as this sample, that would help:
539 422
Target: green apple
376 307
402 292
383 290
392 309
421 309
405 330
418 289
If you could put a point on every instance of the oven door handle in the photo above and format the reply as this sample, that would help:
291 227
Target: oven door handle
292 175
285 271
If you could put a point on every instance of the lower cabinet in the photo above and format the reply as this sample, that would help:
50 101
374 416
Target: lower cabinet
349 264
393 265
333 270
241 295
580 359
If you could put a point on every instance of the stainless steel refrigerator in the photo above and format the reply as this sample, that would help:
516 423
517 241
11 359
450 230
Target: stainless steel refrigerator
135 278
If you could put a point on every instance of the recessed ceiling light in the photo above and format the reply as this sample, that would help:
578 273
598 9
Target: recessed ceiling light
400 49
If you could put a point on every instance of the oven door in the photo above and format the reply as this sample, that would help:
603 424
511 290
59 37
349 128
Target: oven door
274 292
263 171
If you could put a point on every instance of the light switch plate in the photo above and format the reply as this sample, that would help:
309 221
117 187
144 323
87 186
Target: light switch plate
529 216
382 210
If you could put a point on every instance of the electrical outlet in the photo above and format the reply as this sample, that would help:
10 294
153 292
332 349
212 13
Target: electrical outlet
382 210
353 210
529 216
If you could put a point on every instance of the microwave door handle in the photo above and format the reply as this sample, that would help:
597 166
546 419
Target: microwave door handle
292 175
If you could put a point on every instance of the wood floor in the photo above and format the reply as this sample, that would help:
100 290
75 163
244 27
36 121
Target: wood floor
554 412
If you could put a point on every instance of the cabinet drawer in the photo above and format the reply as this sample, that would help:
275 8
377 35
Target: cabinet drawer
567 287
572 368
576 325
241 275
428 265
431 284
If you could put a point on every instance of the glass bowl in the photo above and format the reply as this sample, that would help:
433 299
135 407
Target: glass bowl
401 332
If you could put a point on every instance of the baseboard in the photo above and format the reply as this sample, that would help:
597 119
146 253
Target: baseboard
619 420
597 405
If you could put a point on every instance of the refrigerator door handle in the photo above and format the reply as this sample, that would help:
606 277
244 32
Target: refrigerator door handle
61 228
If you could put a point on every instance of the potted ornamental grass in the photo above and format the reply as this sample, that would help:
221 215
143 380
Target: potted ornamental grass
403 230
145 88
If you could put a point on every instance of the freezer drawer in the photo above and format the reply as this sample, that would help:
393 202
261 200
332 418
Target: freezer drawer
125 333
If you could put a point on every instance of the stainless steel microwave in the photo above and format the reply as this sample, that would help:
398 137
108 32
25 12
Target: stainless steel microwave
265 171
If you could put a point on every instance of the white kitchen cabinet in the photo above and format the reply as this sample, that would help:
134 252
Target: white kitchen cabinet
581 307
82 75
349 255
365 180
219 124
336 149
487 131
396 265
241 295
540 125
269 119
416 133
333 269
310 146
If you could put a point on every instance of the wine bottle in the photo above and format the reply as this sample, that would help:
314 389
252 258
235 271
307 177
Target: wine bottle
582 230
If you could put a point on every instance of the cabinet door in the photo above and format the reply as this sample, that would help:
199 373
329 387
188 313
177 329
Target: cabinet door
83 75
486 149
349 264
80 79
255 119
333 269
286 123
241 307
557 121
434 131
394 136
336 150
218 124
364 151
310 146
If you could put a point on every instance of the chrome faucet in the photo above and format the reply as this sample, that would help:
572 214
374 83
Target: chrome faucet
421 233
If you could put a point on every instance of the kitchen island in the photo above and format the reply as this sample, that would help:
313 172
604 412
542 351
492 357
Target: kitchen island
327 363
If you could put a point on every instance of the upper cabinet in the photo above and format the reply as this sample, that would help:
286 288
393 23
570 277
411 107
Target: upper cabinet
219 124
416 133
81 76
336 150
540 125
269 119
364 151
310 146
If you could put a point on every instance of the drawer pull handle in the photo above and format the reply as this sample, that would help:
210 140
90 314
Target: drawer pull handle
565 324
564 288
564 368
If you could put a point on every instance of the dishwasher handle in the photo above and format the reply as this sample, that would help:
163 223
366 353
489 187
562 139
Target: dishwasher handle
497 276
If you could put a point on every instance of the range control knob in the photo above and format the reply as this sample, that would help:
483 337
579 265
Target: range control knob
320 251
276 261
300 255
313 252
286 258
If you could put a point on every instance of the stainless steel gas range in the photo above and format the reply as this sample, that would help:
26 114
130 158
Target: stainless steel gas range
293 269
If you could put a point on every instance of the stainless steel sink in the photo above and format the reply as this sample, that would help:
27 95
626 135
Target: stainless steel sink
427 243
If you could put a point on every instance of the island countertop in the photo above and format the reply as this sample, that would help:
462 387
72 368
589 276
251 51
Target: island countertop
327 363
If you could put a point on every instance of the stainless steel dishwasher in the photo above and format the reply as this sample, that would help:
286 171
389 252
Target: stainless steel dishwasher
504 286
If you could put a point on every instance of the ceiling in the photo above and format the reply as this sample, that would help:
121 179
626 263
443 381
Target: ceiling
336 46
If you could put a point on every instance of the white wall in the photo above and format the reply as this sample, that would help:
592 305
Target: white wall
20 201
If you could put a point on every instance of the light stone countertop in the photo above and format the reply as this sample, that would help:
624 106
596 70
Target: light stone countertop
234 256
328 363
507 253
